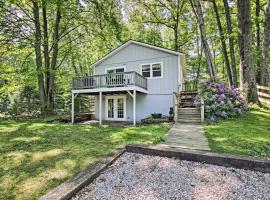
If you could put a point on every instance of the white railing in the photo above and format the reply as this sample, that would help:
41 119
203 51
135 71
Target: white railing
175 105
202 109
110 80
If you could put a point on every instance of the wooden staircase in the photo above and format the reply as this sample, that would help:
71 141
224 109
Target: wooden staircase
186 111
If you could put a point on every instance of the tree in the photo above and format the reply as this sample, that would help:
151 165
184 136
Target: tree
247 75
264 73
223 43
164 13
197 10
231 42
258 33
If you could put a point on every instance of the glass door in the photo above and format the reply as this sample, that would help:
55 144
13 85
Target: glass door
110 113
120 108
116 108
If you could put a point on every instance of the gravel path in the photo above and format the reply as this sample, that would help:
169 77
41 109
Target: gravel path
135 176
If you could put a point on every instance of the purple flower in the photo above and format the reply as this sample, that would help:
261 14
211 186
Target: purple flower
222 103
223 114
229 102
222 90
223 96
239 98
239 110
207 107
214 97
213 106
213 119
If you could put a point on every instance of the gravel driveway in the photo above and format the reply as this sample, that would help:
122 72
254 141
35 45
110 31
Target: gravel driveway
135 176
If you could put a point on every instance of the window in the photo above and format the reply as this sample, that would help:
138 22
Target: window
115 70
153 70
156 70
146 71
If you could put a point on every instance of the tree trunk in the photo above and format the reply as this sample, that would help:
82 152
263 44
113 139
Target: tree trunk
223 44
46 46
197 9
231 42
264 73
38 54
258 37
247 75
54 56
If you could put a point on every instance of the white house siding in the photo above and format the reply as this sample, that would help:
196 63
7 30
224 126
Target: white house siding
159 98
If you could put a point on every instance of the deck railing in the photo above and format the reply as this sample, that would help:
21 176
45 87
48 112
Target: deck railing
190 86
122 79
264 94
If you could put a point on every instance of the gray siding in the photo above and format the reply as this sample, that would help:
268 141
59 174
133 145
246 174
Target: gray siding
159 98
146 105
133 56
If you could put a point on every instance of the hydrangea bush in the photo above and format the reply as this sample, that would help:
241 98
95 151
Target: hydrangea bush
221 101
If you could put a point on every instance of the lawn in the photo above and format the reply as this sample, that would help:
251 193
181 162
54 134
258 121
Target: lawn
248 135
36 156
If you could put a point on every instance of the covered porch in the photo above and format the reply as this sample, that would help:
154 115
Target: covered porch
111 91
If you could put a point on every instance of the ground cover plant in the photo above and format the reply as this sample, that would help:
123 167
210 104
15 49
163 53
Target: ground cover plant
36 156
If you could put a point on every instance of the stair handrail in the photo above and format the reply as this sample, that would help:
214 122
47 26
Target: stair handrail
175 106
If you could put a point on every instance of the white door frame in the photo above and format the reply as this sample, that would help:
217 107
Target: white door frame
115 97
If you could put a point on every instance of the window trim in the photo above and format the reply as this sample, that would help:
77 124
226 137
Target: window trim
151 70
112 68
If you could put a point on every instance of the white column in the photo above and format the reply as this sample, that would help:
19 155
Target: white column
100 108
72 108
134 107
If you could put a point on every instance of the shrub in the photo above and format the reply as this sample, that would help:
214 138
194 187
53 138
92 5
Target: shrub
221 101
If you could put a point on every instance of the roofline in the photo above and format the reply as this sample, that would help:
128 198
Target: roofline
114 51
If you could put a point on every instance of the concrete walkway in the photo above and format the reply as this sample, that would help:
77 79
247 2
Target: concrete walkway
189 136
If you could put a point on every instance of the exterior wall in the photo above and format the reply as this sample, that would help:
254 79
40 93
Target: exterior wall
159 98
146 105
134 55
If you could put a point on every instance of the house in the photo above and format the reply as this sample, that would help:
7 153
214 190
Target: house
132 82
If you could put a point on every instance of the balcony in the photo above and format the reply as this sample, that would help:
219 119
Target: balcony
110 82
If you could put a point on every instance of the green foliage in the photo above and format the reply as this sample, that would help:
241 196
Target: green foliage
36 156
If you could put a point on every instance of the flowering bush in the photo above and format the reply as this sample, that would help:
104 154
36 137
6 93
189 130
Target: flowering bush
220 101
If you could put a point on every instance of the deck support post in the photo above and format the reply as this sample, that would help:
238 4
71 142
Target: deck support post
100 108
72 108
134 107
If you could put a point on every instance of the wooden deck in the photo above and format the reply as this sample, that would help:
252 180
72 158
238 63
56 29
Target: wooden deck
112 80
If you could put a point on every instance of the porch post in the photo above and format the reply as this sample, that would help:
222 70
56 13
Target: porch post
100 108
72 108
134 107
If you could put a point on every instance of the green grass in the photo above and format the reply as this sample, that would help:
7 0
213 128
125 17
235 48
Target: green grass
36 156
248 135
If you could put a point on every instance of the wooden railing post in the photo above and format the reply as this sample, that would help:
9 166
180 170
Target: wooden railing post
202 109
175 106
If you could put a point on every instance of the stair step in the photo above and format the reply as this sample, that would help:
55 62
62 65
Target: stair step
187 96
188 93
189 110
197 115
190 118
188 121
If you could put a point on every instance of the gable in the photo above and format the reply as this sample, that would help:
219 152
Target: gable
134 52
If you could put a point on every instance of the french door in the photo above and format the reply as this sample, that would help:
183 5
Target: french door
115 108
